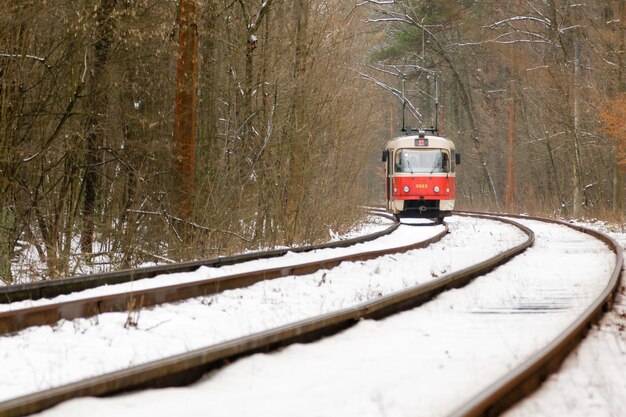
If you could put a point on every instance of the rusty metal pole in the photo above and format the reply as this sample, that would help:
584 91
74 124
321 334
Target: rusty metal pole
442 111
184 146
509 197
392 122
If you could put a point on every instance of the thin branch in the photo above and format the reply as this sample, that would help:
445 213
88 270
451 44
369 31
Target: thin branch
390 20
543 21
168 217
377 2
503 42
159 257
82 78
245 10
563 30
66 115
265 7
16 56
419 68
268 134
537 68
414 112
596 50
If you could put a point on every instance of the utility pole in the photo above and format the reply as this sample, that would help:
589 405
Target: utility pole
184 146
441 112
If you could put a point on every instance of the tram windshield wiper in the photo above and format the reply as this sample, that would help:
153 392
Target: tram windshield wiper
409 166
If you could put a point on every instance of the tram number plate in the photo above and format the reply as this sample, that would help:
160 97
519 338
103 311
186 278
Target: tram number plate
421 185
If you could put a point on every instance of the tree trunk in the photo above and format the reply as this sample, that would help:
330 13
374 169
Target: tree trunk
299 137
97 108
264 216
184 147
466 102
509 198
618 179
7 224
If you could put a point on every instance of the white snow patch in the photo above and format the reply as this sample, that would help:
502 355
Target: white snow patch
43 357
425 361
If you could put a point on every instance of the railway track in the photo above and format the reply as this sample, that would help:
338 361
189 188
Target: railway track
83 307
182 369
49 289
187 367
528 376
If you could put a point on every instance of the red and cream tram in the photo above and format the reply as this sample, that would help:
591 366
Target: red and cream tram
420 172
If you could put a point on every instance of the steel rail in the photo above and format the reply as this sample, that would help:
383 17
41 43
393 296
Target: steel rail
49 314
527 377
188 367
53 288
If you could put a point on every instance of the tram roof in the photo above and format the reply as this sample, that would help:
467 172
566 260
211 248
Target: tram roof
409 142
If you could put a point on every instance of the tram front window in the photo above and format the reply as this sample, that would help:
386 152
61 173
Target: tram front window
422 161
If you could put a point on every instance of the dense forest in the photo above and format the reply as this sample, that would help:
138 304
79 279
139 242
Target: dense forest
137 131
539 81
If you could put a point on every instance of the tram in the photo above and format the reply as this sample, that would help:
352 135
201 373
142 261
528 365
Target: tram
420 173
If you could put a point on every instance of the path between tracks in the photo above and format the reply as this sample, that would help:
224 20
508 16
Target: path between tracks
592 380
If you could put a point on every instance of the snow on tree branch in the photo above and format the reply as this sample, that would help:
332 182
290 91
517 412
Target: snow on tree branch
499 39
16 56
543 21
377 2
19 56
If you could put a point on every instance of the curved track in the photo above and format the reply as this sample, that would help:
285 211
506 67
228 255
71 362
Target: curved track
525 378
188 367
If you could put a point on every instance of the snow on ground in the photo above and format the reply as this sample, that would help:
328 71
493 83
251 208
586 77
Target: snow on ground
592 380
374 225
27 266
42 357
425 361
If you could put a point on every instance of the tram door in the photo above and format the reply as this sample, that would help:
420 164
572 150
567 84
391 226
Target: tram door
388 159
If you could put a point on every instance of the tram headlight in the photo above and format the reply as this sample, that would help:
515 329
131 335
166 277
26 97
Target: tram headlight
436 189
406 189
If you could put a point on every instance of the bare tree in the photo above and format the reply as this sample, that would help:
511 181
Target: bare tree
96 110
299 138
184 146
